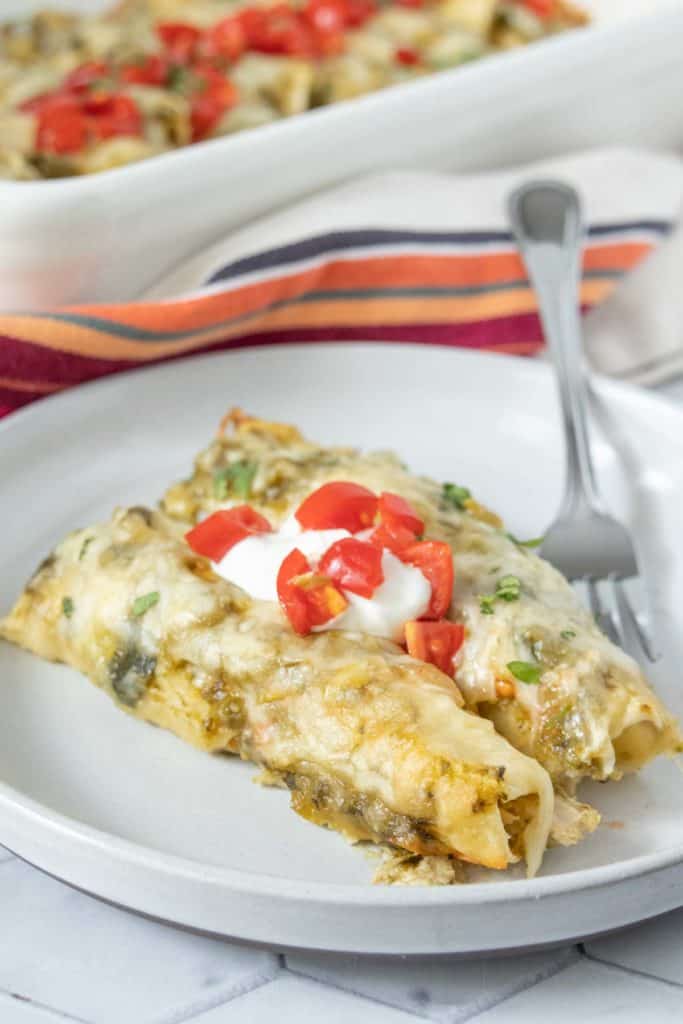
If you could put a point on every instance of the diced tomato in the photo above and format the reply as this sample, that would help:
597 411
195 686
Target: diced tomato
395 538
62 126
434 559
353 565
37 103
226 39
329 44
307 599
204 116
406 55
153 70
81 78
394 511
251 20
218 533
325 15
541 8
435 642
208 106
359 11
110 115
278 29
179 39
339 505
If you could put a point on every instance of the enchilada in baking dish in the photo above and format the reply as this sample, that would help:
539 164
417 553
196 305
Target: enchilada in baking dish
83 94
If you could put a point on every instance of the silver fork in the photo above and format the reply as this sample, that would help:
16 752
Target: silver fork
584 542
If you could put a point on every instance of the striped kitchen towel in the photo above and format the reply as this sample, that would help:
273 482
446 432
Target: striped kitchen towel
403 256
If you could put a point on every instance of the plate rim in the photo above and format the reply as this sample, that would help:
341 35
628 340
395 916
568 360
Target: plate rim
68 830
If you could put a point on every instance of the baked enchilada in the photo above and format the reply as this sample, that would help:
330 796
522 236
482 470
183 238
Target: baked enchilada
373 640
82 94
532 658
369 740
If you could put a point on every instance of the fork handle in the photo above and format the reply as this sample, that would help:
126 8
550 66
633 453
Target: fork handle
547 224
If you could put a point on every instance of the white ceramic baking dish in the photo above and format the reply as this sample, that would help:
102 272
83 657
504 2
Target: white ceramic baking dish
110 236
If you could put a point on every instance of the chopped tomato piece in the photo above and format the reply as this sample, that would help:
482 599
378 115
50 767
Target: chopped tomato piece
152 70
81 78
359 11
38 103
208 108
226 39
278 29
394 511
435 642
541 8
325 15
307 599
339 505
218 533
395 538
406 55
354 565
328 44
434 559
62 126
216 95
180 40
110 115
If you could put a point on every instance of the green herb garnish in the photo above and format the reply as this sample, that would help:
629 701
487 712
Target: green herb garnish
68 606
525 672
143 603
508 588
534 542
182 80
234 479
84 547
455 495
567 634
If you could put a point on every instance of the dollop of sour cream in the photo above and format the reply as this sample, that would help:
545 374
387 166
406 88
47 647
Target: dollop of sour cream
253 564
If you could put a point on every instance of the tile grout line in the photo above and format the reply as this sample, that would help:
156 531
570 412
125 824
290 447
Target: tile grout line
239 990
633 971
351 991
415 1014
444 1017
18 999
573 957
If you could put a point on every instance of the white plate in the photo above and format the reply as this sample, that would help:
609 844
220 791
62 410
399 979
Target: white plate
617 82
133 815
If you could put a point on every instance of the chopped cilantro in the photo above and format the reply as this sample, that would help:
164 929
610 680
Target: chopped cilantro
567 634
525 672
180 79
534 542
236 479
143 603
67 606
84 547
184 80
455 495
508 588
